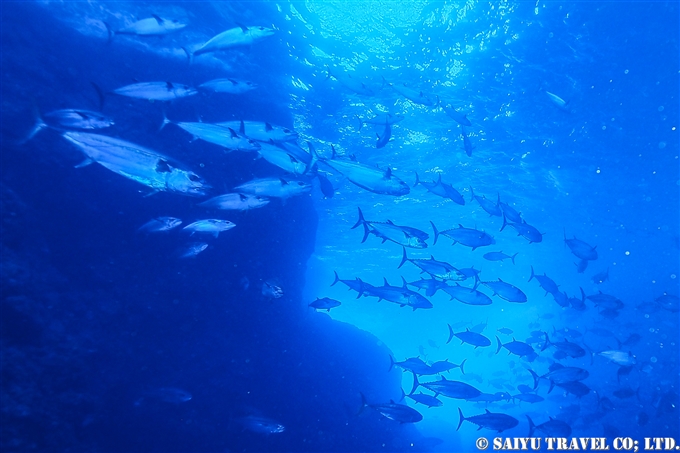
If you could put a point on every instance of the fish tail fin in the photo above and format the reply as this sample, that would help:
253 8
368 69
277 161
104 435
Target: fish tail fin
416 384
436 233
361 122
417 180
532 272
392 362
190 56
404 258
476 285
618 342
165 121
535 376
363 404
547 342
532 426
462 366
513 257
552 386
403 395
461 418
505 223
500 345
361 220
337 279
472 194
37 127
450 334
100 94
110 33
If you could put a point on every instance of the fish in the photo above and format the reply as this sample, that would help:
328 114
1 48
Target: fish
272 289
467 296
279 157
491 208
388 231
160 224
151 26
491 398
510 213
379 120
156 91
528 398
415 96
581 249
265 132
414 364
427 400
528 232
468 237
436 269
632 340
470 272
471 338
450 389
606 301
518 348
441 189
551 428
211 226
385 137
490 420
430 285
600 277
236 202
192 249
234 37
399 295
261 425
351 83
69 119
547 283
560 375
139 164
218 135
578 304
499 256
467 146
558 101
561 299
355 285
669 302
229 85
581 266
393 411
274 188
571 349
458 117
368 178
622 358
506 291
444 366
325 303
505 331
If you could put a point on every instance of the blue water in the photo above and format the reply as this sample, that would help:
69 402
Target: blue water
111 342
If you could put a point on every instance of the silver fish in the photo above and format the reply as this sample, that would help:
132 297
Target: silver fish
280 158
137 163
219 135
262 131
231 86
212 226
234 37
160 224
193 249
351 83
156 91
274 187
235 201
261 425
70 119
152 26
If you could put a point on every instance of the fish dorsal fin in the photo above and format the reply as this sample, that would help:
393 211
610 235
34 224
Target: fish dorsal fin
169 86
392 401
439 180
233 82
550 417
243 197
232 132
334 153
158 19
431 257
499 279
388 173
461 226
82 115
243 28
467 329
163 167
385 281
293 159
352 157
283 182
390 222
242 128
268 127
487 411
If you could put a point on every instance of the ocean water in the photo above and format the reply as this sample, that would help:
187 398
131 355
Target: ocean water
112 341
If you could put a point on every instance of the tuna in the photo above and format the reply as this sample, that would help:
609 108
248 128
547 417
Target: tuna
441 189
489 420
466 236
402 235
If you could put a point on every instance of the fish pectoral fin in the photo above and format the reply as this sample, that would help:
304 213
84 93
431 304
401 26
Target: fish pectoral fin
87 161
158 19
153 192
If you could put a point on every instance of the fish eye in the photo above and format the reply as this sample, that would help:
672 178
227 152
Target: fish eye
194 178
